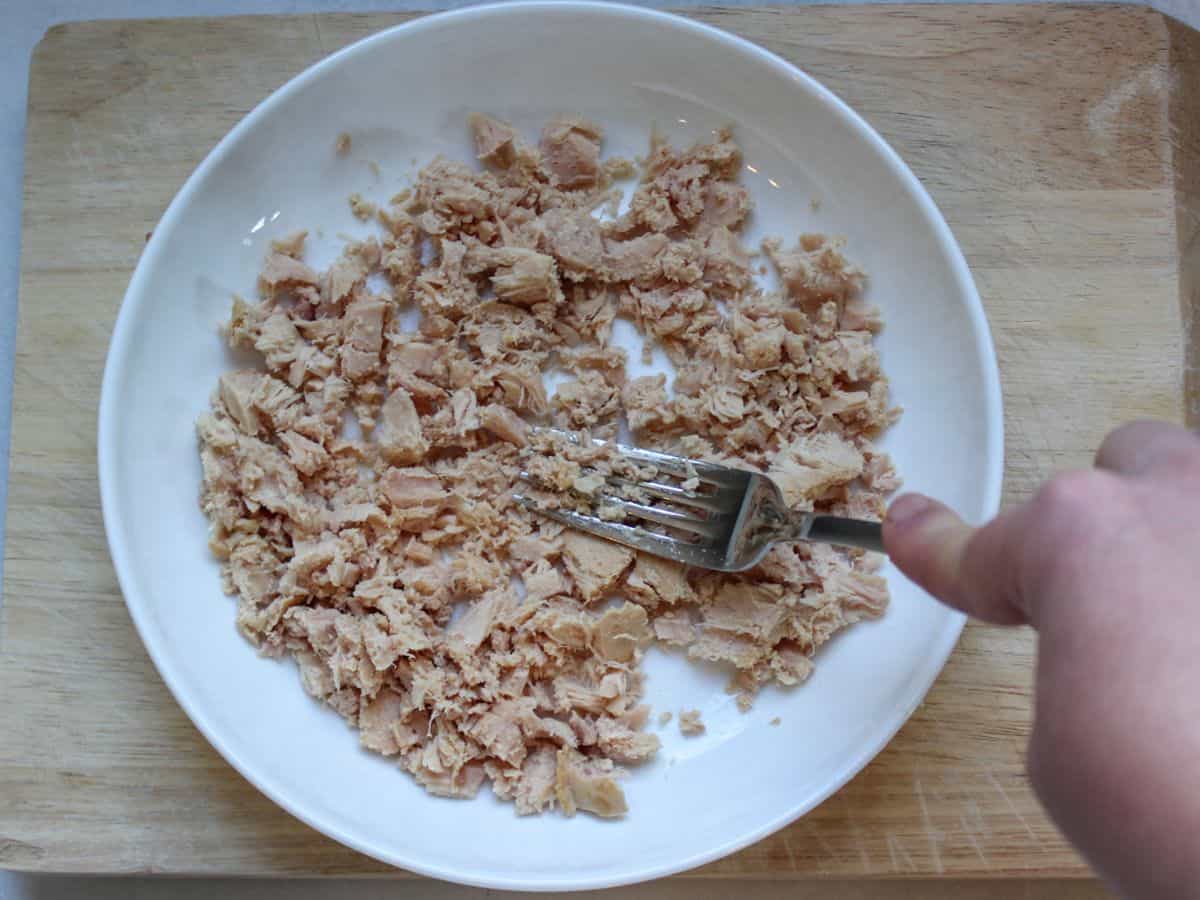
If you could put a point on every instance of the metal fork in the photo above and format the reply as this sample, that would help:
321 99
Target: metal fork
733 521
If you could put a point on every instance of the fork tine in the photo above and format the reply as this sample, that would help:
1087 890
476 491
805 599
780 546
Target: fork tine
666 462
711 502
708 528
676 465
630 536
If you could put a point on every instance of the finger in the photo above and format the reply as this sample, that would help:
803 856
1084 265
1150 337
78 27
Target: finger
1141 447
976 571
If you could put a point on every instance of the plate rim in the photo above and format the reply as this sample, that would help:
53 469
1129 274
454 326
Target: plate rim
117 356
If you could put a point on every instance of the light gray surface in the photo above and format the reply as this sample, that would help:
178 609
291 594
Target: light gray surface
22 24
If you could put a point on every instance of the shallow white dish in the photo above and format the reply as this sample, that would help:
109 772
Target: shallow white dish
404 95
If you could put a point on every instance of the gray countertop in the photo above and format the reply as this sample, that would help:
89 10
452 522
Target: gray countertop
22 24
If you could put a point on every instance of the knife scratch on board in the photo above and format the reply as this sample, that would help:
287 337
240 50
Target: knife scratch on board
1013 809
935 836
896 849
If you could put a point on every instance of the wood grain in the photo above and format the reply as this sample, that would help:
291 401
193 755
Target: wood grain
1185 146
1062 145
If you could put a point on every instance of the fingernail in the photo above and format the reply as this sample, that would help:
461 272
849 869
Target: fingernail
908 508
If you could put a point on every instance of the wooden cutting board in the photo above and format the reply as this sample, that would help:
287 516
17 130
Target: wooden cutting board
1061 143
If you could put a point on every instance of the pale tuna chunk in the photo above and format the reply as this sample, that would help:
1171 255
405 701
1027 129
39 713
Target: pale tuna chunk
385 642
236 390
529 549
418 387
655 580
571 152
280 271
646 403
446 291
290 245
859 315
563 624
595 564
536 787
863 594
880 474
521 388
463 784
675 627
406 632
526 277
582 783
543 580
690 723
754 610
315 677
473 627
634 259
725 261
682 261
725 203
620 632
726 405
400 252
715 645
815 271
399 435
586 401
850 354
452 195
306 455
685 186
377 720
412 731
843 403
622 744
811 465
355 514
258 402
500 736
668 311
418 357
344 279
504 424
790 664
574 239
463 411
585 730
587 697
287 353
522 712
267 479
495 141
762 345
364 338
416 496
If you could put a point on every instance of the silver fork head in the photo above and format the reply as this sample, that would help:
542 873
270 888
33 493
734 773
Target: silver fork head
727 523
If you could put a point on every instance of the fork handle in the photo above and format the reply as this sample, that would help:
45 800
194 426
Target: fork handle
846 532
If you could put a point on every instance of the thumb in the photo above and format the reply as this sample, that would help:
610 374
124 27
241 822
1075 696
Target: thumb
972 570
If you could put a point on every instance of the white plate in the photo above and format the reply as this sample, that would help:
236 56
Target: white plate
404 95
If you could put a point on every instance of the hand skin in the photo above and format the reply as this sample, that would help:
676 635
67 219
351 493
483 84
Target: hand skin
1105 565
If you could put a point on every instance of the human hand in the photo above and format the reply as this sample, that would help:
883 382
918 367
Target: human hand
1105 564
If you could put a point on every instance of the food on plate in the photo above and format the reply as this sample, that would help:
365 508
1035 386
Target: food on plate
690 723
461 635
